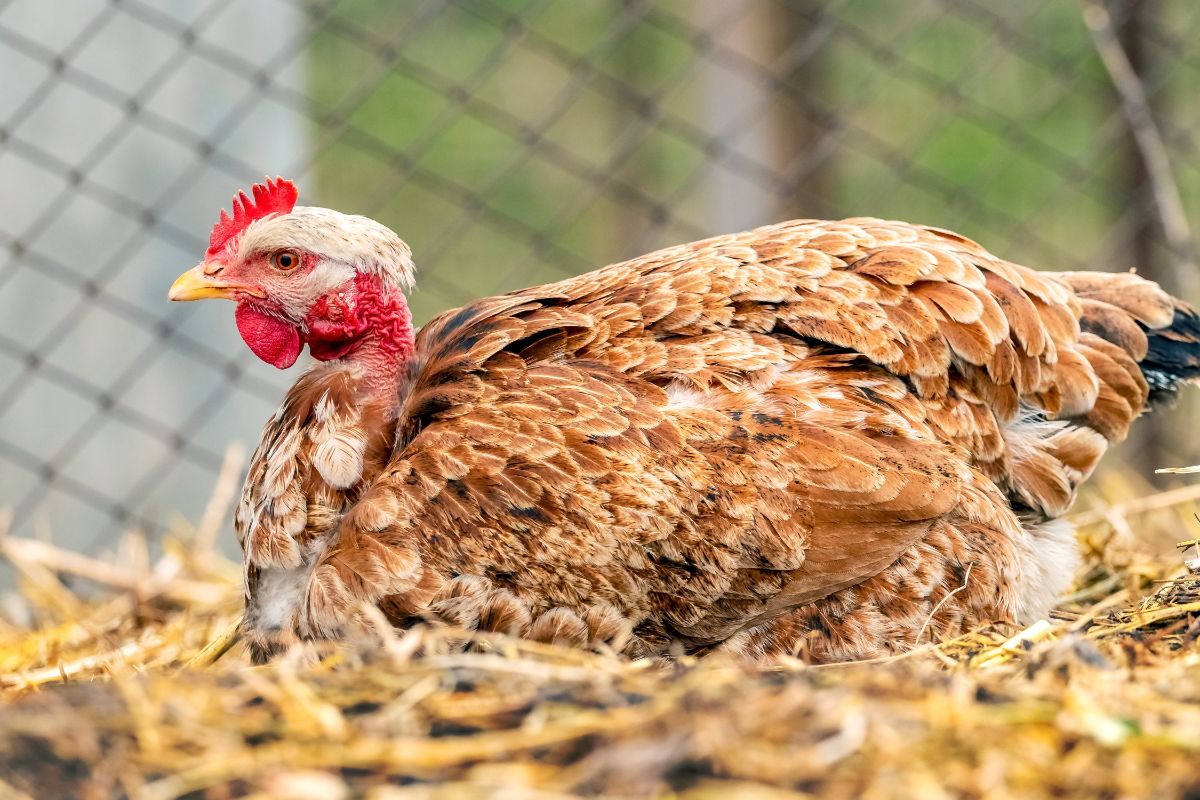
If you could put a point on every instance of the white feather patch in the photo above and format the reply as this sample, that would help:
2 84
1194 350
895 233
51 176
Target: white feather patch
1047 559
278 597
339 459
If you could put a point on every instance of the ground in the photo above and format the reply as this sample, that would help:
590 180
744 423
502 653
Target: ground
133 692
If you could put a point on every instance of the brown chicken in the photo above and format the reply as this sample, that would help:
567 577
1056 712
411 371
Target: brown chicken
819 438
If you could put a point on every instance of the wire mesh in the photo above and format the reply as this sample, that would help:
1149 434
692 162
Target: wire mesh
510 142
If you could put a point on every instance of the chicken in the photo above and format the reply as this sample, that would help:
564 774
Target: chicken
824 439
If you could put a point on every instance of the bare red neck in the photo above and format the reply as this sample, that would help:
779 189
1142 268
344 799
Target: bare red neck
367 324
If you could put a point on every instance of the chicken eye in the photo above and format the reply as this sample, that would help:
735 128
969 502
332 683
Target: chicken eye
285 260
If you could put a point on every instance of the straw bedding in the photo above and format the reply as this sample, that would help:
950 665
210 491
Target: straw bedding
130 683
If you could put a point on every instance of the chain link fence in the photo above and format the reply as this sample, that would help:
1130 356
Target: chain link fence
513 142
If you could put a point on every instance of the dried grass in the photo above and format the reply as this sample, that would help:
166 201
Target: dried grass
139 689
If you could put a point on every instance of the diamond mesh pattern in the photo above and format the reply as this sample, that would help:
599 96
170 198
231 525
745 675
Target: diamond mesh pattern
511 142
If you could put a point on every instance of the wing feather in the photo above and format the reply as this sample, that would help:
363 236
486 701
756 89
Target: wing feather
697 440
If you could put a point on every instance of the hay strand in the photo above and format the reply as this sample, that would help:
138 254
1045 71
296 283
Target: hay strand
139 685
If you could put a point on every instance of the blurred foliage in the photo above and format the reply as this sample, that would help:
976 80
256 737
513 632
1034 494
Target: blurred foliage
996 121
518 142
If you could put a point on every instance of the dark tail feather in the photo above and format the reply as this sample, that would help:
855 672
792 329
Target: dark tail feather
1161 333
1173 355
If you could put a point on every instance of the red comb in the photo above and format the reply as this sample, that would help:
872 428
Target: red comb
275 197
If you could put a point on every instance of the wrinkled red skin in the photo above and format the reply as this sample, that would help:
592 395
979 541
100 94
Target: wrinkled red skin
341 322
368 321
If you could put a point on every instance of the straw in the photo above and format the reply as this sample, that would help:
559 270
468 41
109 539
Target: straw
138 685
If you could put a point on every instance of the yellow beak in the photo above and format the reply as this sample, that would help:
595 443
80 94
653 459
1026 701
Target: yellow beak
198 284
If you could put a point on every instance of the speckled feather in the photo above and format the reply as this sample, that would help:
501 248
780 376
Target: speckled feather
817 438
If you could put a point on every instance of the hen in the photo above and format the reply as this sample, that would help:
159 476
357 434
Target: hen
819 438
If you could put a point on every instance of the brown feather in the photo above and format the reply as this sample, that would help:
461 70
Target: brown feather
793 439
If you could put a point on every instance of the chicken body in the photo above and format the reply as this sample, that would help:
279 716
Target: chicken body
823 439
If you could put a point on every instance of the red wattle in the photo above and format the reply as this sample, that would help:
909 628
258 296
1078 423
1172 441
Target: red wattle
273 340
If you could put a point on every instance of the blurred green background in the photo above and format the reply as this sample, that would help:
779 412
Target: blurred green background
517 142
514 142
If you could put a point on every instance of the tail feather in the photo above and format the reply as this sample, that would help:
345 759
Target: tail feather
1173 355
1140 344
1141 299
1160 332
